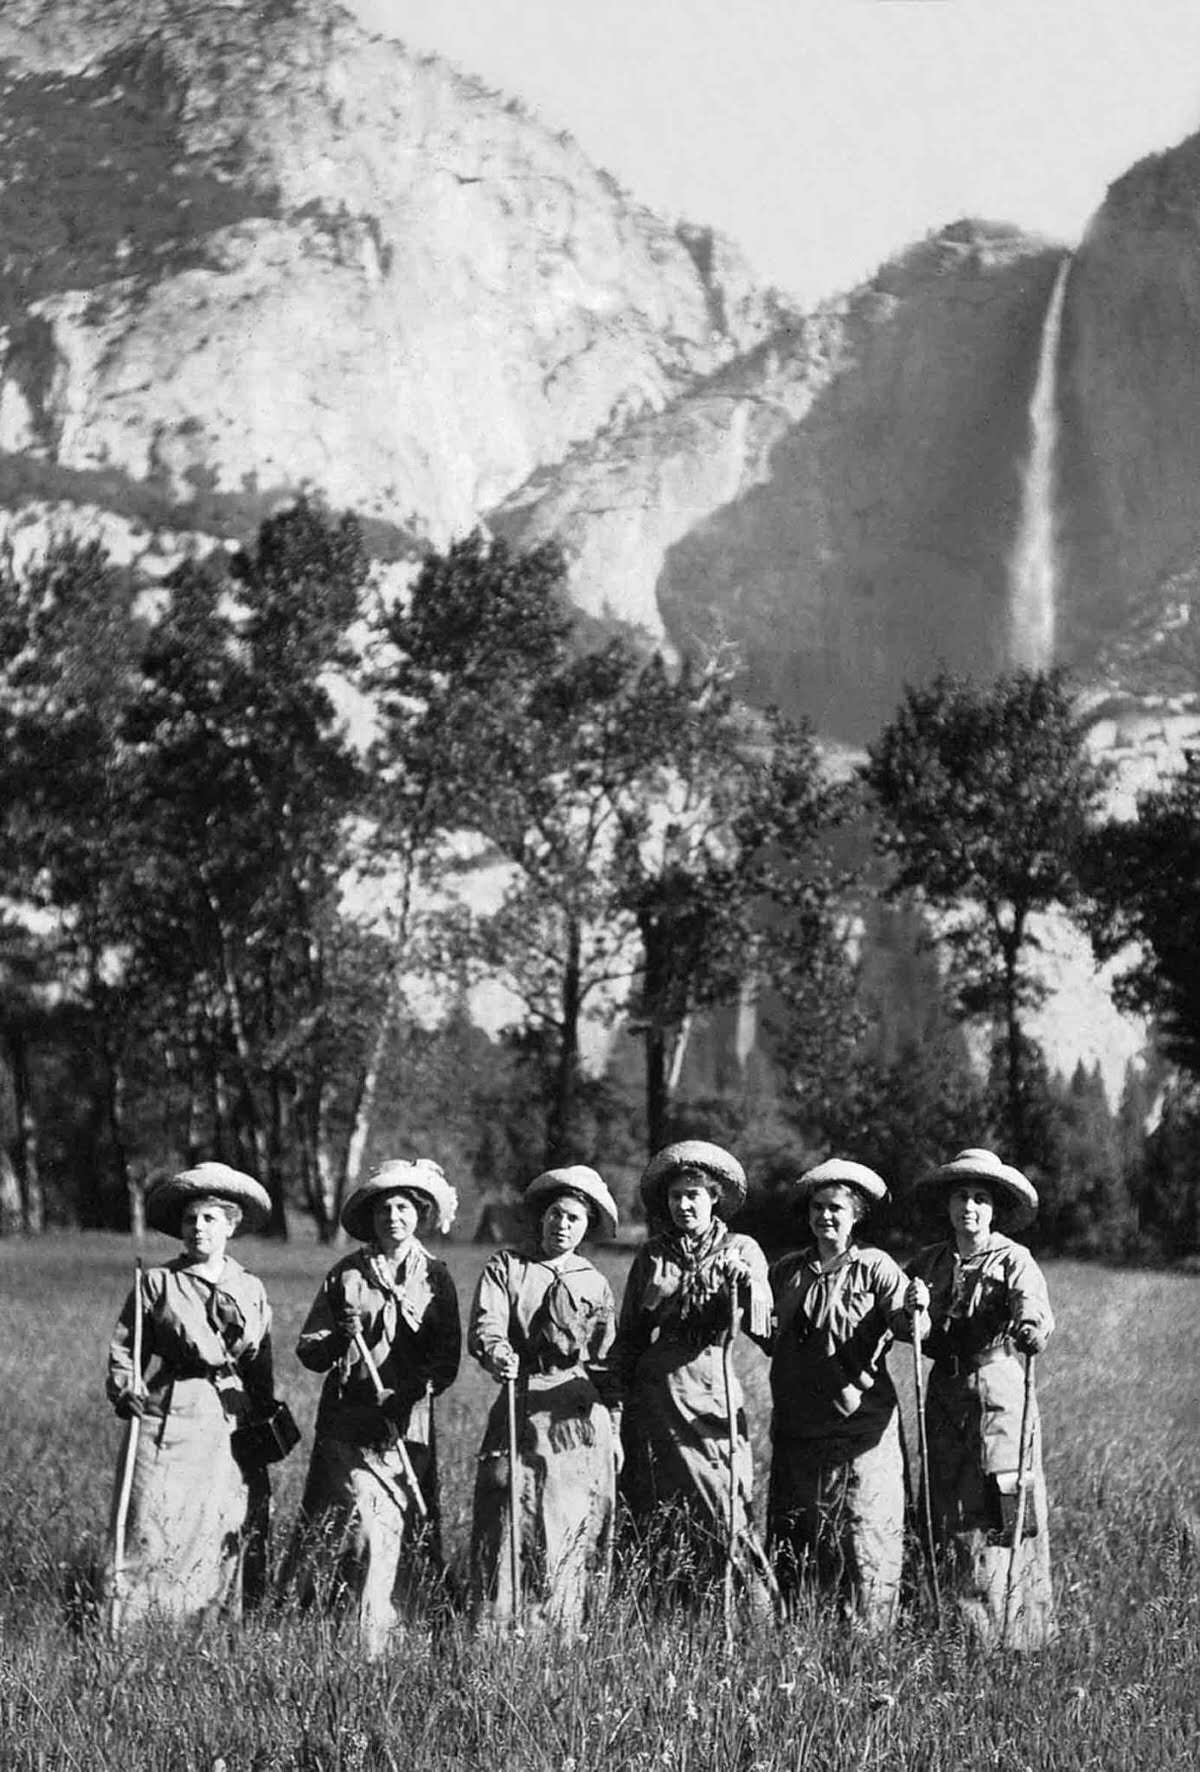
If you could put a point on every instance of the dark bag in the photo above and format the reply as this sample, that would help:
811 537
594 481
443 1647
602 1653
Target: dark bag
267 1439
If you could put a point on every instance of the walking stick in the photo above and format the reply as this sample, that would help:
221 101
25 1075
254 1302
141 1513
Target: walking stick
133 1432
732 1434
923 1456
514 1541
1024 1479
406 1469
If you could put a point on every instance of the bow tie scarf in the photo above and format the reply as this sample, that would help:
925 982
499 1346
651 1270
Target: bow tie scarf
555 1329
703 1287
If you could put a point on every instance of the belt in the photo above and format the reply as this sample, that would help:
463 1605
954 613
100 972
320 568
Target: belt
956 1364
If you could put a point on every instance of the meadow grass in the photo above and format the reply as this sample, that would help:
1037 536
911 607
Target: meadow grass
1120 1392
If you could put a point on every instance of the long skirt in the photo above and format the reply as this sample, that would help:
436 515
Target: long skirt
566 1500
678 1481
361 1545
835 1514
973 1430
185 1531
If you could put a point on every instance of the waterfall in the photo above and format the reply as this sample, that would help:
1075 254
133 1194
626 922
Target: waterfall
1032 567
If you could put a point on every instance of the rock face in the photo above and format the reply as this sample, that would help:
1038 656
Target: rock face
251 249
841 502
1130 378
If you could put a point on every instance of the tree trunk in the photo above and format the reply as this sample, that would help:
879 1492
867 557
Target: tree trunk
364 1105
659 1084
33 1214
114 1079
560 1119
1012 1035
136 1189
12 1217
232 998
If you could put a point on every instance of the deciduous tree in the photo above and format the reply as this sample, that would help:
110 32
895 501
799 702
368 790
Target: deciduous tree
986 794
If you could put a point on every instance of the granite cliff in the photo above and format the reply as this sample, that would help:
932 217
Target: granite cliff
249 249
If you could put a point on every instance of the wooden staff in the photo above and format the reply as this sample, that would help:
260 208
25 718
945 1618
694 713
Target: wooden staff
406 1469
923 1456
732 1435
1024 1479
514 1538
133 1429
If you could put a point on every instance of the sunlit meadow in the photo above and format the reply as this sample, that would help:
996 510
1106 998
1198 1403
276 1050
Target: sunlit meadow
1120 1390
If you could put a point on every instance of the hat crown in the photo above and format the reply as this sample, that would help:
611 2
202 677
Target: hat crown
694 1153
418 1175
841 1172
580 1179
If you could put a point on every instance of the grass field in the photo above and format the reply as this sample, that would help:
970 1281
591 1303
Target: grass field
1120 1388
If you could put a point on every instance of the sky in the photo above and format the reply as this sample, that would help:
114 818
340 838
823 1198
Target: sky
823 135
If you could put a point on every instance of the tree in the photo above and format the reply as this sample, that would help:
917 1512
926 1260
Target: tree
487 720
1143 878
986 795
722 859
68 641
246 789
644 819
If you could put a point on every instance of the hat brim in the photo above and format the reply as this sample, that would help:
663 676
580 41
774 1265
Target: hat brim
166 1203
839 1172
439 1204
721 1170
1015 1197
586 1185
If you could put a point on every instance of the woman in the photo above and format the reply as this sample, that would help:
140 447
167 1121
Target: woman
544 1318
206 1323
984 1312
384 1328
690 1287
836 1501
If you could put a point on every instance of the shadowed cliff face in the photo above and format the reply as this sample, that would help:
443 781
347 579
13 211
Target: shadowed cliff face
1130 396
841 503
877 548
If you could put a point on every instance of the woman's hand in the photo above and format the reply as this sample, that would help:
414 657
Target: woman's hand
348 1326
916 1297
1028 1338
504 1363
130 1405
733 1267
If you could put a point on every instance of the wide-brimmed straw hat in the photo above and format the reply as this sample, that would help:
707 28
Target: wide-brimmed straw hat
1015 1195
715 1164
420 1176
166 1201
577 1178
838 1172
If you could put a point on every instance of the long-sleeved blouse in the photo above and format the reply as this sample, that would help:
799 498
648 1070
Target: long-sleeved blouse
216 1330
411 1328
833 1326
553 1314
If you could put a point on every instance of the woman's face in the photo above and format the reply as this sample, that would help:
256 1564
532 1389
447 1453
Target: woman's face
564 1225
690 1204
205 1228
832 1215
394 1220
971 1209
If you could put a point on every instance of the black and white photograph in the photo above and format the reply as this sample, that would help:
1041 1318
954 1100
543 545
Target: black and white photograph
600 901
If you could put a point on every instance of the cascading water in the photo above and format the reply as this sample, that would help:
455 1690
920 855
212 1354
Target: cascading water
1032 567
